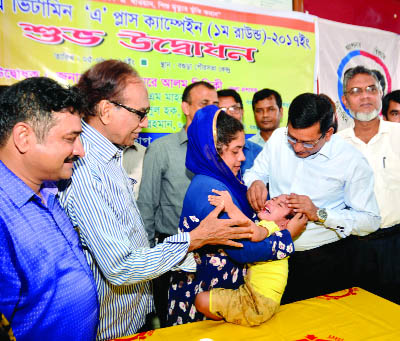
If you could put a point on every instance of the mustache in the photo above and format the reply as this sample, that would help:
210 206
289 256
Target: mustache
72 159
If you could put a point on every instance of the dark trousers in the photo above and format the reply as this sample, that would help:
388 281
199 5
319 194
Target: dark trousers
320 271
377 263
160 291
148 325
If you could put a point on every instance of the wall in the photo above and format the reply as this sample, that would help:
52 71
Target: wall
382 14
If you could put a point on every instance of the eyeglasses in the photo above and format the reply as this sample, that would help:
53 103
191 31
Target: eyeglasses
141 114
371 89
233 109
307 145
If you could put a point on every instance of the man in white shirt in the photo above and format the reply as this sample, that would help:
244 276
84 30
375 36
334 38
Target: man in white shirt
329 181
378 253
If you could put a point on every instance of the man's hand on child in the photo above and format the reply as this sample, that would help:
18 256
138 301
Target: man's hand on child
297 224
302 204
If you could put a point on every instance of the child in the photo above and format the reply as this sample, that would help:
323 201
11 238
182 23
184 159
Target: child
258 299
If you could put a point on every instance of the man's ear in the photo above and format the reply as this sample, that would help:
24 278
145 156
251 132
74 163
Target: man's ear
280 113
23 136
104 109
344 100
185 108
328 134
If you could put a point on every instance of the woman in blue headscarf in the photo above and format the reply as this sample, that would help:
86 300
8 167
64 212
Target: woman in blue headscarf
214 155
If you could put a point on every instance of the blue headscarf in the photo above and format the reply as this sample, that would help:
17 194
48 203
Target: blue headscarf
203 158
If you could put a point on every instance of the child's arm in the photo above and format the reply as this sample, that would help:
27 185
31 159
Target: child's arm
225 199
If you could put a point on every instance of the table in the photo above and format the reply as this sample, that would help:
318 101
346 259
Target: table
347 315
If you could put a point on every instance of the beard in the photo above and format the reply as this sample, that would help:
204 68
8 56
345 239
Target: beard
366 117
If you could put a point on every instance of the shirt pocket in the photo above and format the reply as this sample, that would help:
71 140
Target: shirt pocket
389 172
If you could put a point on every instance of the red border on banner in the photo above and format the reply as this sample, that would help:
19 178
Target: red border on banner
218 13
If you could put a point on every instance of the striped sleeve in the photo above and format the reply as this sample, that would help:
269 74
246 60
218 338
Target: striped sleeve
112 230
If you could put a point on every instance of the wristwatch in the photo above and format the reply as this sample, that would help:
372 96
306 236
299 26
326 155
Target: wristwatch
322 215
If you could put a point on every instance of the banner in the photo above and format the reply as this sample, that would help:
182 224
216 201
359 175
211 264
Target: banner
343 46
171 44
257 5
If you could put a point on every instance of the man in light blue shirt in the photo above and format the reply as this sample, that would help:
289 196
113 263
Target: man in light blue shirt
101 204
327 179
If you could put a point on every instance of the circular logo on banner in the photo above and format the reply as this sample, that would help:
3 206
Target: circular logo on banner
347 59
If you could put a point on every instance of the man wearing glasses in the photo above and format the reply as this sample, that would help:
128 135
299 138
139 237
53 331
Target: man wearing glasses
101 205
379 140
329 181
231 102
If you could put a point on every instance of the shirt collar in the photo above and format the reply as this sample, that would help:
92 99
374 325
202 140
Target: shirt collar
182 136
49 191
326 149
259 137
384 128
103 146
19 192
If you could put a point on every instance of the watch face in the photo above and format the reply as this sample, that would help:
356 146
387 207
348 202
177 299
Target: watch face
322 214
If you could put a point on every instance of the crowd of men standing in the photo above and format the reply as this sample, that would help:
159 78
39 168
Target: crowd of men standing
78 258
